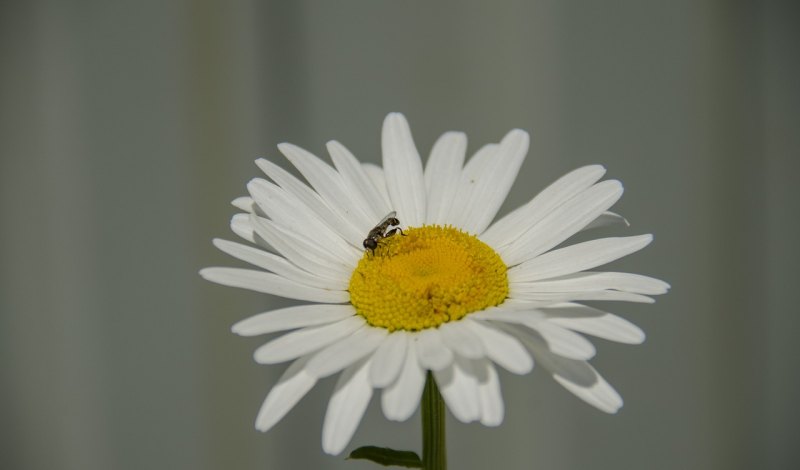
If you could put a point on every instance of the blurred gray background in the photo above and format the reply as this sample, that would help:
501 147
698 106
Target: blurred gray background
128 126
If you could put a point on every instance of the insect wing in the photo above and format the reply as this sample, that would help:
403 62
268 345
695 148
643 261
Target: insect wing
385 221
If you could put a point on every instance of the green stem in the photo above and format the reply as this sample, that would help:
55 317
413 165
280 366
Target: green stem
434 445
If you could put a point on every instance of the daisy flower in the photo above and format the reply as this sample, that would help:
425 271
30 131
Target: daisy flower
449 293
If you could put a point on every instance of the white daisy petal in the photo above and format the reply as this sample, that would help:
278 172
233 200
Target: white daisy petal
489 395
561 224
327 182
277 265
305 341
599 393
240 224
578 257
301 250
517 305
376 175
626 282
346 351
594 322
289 318
291 387
462 340
346 407
576 376
461 207
357 180
459 388
387 362
443 173
503 349
582 379
269 283
492 186
356 185
607 218
302 192
244 203
403 170
286 210
517 317
431 350
517 222
554 297
564 342
401 399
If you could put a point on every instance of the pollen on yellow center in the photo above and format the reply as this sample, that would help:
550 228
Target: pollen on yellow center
430 276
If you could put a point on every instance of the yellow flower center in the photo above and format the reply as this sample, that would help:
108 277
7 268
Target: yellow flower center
431 275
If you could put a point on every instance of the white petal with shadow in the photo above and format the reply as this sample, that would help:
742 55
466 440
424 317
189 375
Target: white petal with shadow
595 322
489 394
346 351
401 398
462 340
519 317
599 394
431 350
607 218
387 362
564 342
459 388
577 376
346 407
291 387
502 348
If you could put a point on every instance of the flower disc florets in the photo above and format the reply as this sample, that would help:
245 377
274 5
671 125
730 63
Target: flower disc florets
427 277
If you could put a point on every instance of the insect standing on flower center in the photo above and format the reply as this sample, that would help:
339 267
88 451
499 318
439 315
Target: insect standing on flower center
380 231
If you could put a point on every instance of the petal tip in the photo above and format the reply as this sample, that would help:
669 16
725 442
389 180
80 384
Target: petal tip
395 115
394 121
518 134
237 329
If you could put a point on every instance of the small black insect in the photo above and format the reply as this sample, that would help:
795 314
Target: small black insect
380 231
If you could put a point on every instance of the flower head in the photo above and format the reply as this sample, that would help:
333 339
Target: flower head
439 287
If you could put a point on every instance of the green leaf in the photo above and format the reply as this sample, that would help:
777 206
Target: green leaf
386 456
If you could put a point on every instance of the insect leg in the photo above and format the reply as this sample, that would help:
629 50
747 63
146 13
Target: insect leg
393 231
